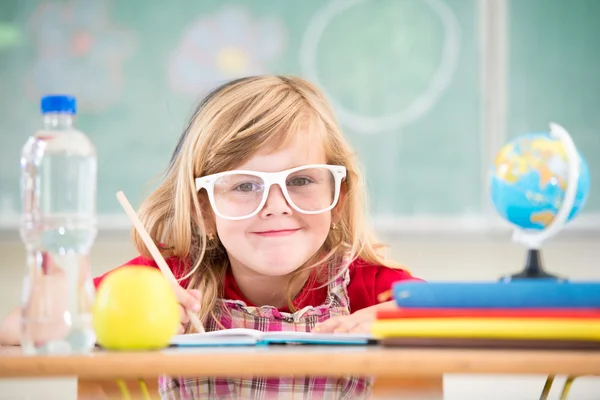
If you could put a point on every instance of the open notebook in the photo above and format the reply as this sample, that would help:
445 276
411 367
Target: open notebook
252 337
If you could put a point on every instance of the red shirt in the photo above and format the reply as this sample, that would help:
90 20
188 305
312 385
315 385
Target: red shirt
367 281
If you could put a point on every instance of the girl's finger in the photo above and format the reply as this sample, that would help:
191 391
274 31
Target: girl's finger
183 317
195 294
186 299
363 327
347 325
327 326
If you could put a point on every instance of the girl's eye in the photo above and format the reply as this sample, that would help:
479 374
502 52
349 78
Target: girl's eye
246 187
299 181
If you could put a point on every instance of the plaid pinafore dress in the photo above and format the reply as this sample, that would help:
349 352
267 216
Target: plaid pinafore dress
235 314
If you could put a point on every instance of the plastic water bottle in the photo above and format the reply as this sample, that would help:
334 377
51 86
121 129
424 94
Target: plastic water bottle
58 228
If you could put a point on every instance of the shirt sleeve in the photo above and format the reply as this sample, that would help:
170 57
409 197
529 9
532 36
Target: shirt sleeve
368 281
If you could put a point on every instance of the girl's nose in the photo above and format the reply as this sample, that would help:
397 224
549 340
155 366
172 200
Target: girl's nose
276 203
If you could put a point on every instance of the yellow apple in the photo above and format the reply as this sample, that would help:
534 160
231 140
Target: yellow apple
135 309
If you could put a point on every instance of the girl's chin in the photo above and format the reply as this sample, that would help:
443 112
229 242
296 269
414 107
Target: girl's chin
277 266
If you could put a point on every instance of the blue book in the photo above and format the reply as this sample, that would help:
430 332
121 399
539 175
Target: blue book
515 294
253 337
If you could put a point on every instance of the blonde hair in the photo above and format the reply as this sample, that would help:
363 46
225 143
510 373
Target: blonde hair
227 128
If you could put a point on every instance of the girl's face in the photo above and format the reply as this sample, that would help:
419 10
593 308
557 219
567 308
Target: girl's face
279 239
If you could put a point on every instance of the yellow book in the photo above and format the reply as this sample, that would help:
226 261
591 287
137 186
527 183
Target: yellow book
498 328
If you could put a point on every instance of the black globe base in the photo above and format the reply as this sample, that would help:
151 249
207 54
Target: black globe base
533 269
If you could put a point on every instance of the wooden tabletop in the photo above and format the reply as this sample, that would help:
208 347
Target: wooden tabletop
299 360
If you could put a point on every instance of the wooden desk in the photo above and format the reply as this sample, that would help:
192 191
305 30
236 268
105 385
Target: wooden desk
415 371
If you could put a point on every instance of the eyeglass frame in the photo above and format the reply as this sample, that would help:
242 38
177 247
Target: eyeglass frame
269 179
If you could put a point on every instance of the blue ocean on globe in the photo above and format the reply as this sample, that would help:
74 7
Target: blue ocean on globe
528 181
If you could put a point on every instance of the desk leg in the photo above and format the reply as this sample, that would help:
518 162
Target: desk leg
417 388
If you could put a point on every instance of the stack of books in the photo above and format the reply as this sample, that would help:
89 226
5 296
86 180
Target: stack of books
521 314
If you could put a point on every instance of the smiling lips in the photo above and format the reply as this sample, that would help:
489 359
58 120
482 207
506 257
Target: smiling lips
278 232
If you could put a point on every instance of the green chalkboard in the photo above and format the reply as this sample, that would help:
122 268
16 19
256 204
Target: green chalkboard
555 74
403 75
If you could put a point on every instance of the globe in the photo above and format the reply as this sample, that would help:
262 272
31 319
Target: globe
528 181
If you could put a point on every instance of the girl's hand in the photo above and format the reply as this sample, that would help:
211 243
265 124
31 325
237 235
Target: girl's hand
359 322
189 300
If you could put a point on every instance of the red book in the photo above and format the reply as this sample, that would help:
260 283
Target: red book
400 313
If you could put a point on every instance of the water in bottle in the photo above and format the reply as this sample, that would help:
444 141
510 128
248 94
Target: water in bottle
58 228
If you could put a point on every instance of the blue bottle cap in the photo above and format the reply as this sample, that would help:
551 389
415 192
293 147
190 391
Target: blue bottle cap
59 104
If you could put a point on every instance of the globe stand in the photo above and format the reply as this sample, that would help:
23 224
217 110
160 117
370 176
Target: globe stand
533 269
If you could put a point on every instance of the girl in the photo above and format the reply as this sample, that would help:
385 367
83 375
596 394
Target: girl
261 211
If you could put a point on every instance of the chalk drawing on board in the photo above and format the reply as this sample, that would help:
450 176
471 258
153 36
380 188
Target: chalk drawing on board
419 107
78 50
226 45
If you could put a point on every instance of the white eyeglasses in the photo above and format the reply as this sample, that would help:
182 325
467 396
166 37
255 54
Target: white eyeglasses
241 194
